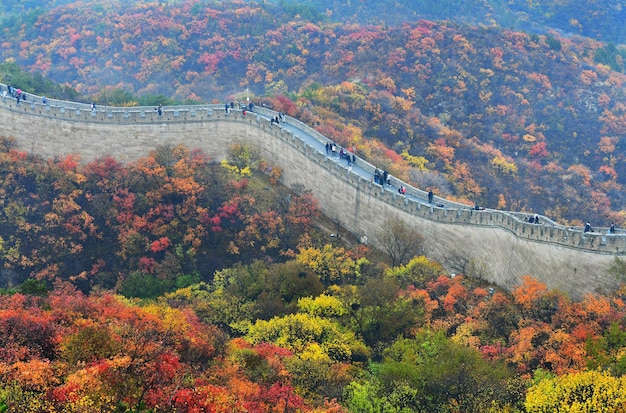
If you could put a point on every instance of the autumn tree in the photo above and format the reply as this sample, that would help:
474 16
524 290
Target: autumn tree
587 391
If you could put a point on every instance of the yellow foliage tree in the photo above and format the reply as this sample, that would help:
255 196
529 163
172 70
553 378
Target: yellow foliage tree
583 392
418 162
330 264
503 166
302 332
417 272
322 306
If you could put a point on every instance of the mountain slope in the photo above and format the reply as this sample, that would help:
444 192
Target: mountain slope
498 117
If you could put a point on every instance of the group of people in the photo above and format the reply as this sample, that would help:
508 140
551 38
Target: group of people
14 93
228 107
331 149
278 119
588 228
382 177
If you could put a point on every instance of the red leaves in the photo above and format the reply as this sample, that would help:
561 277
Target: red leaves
539 150
161 244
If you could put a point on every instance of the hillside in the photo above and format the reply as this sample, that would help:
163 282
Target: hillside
507 119
177 284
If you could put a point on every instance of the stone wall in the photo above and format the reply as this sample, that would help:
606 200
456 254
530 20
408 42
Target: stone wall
499 246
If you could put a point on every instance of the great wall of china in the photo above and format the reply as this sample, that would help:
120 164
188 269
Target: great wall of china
499 246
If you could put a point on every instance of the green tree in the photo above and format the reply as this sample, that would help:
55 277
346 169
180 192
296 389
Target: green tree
377 313
431 373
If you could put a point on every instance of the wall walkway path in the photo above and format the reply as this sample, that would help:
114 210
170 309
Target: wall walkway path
499 246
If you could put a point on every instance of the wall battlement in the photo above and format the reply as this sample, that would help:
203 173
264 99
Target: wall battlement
498 245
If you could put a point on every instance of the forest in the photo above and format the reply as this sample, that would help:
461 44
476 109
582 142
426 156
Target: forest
516 120
176 283
180 283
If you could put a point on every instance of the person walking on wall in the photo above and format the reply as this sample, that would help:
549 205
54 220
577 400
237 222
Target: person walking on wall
93 106
430 196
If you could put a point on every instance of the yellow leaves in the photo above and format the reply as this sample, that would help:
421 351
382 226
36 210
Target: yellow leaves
240 172
400 103
418 162
501 202
322 306
529 138
409 92
388 83
232 248
310 336
504 166
330 264
52 219
465 335
313 352
416 272
590 391
275 174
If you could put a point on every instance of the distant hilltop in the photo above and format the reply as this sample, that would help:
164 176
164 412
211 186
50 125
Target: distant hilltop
498 246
